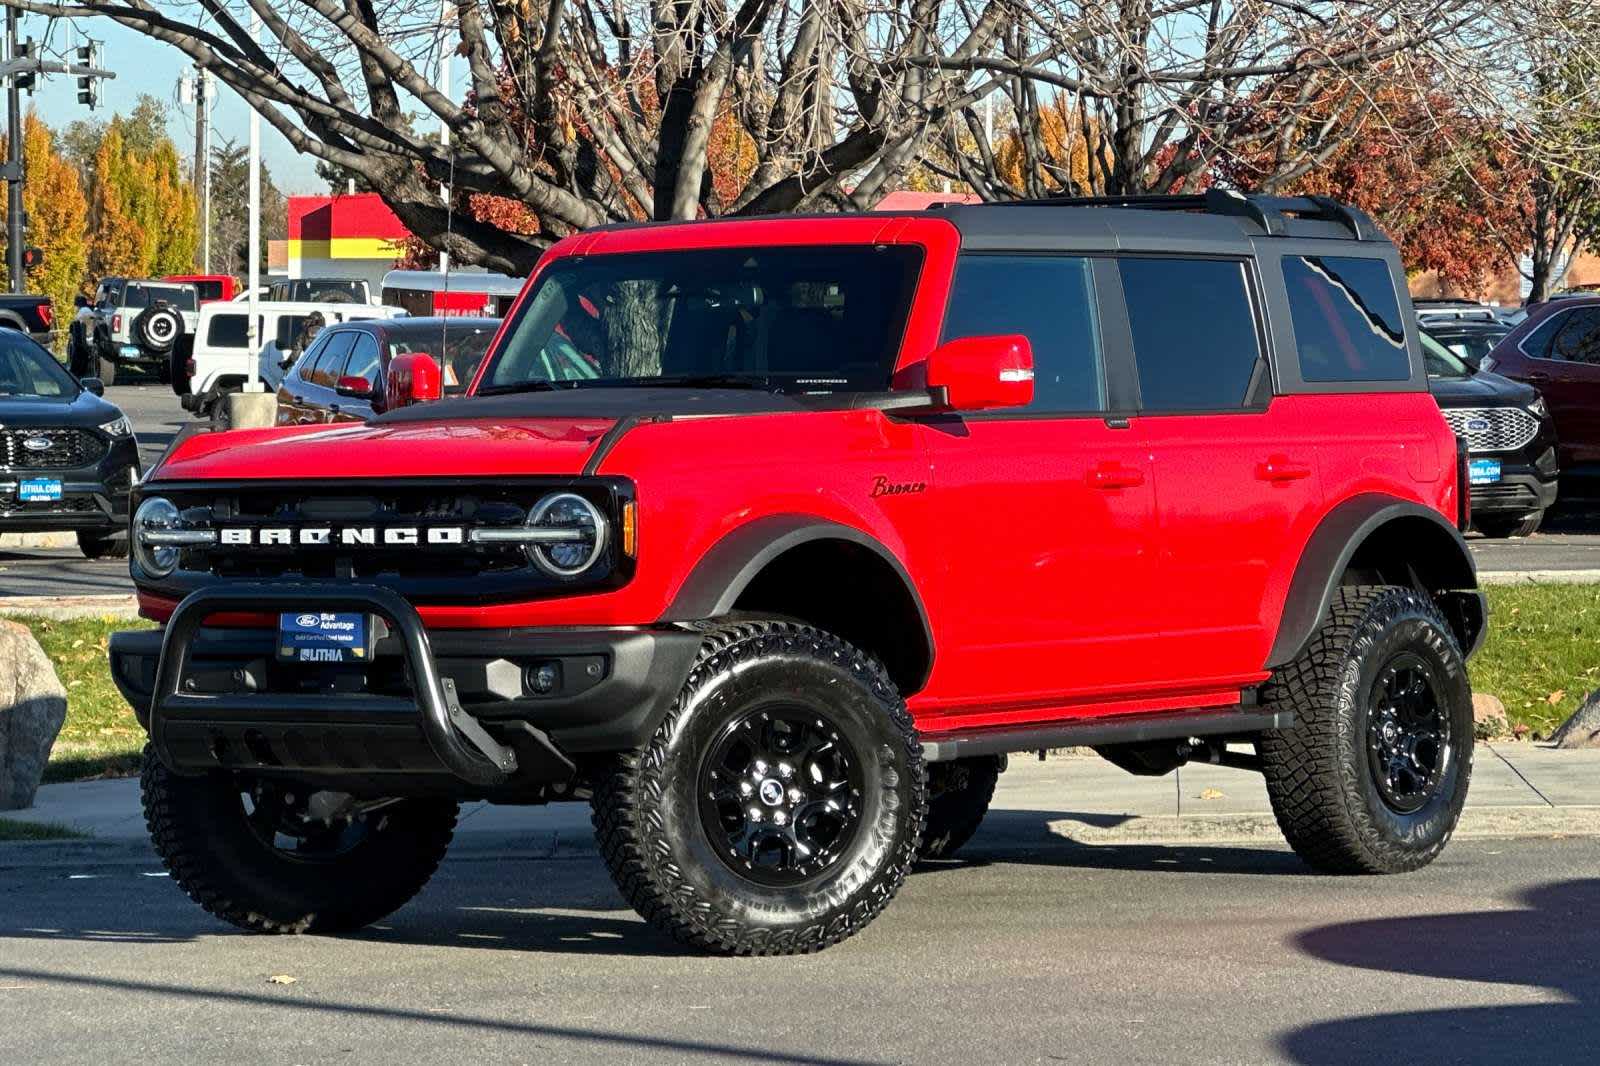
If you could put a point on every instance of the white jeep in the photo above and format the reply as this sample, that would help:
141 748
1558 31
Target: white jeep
149 324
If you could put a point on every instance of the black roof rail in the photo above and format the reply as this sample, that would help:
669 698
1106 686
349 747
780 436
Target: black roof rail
1268 212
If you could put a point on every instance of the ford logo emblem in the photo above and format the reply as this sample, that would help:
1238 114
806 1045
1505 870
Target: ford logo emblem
38 444
1478 425
307 620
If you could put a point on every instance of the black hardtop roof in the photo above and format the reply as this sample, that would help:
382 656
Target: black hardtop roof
1216 221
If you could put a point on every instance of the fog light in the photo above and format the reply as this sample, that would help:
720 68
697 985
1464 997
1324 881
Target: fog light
543 678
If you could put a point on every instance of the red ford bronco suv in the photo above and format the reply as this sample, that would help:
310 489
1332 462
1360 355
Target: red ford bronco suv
771 538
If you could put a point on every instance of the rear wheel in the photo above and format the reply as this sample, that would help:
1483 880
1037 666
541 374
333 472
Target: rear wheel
108 371
102 545
273 858
1373 774
777 808
959 794
1501 526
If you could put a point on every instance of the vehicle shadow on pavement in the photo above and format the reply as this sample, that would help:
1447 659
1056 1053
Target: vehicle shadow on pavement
1026 837
1553 944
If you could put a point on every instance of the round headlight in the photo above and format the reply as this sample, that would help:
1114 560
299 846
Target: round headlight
583 534
154 515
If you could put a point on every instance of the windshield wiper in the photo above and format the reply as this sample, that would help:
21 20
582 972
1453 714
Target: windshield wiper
710 381
536 385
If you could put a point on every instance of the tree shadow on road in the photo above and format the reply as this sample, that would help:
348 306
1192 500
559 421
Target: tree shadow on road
1552 942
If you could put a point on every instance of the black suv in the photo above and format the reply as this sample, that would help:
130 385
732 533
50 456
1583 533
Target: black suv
1512 464
67 457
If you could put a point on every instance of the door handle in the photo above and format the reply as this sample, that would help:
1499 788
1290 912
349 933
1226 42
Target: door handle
1536 377
1281 468
1115 476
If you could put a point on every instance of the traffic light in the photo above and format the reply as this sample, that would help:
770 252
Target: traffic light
89 85
25 78
32 257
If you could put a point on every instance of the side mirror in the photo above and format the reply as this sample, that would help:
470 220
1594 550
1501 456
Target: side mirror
413 377
94 385
357 387
981 373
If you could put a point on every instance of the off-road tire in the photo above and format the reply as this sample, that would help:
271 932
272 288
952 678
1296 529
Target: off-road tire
959 793
1499 527
198 827
1318 772
647 812
102 546
79 359
108 371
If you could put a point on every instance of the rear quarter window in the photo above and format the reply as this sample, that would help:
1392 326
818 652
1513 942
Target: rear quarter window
228 331
1347 322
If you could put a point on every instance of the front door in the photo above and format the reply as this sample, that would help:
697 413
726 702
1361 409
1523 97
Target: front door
1046 514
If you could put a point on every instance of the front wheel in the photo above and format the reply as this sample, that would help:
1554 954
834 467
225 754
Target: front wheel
1373 774
777 808
273 858
102 546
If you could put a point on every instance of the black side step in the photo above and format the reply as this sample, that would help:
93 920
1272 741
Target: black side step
1095 732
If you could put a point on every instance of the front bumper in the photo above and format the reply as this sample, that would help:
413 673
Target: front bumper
1522 490
432 710
92 498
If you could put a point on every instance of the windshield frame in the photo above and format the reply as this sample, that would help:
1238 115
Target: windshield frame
909 328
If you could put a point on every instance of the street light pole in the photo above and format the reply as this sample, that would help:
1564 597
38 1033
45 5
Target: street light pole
14 219
253 383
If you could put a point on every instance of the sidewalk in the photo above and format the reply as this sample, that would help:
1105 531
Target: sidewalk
1517 789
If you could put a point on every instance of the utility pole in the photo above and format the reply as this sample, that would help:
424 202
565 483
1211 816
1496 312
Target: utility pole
202 162
13 170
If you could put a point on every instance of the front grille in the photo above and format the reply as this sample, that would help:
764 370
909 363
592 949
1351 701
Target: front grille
1492 429
10 503
423 572
67 448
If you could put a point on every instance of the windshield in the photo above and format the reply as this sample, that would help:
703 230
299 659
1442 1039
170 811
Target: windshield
1441 362
462 348
28 370
787 319
179 296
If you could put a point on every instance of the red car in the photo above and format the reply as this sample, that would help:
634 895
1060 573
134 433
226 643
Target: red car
209 287
771 539
1557 350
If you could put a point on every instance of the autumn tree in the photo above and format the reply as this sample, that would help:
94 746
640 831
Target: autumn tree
141 209
588 112
57 216
1558 206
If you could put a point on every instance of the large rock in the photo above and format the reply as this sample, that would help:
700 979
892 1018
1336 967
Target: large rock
1487 707
33 707
1582 730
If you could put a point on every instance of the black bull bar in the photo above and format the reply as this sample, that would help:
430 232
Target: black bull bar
460 743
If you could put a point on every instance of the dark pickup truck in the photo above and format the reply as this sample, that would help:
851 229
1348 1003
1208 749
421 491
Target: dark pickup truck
29 314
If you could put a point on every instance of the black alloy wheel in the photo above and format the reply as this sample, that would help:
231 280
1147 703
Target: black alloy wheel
780 795
1408 734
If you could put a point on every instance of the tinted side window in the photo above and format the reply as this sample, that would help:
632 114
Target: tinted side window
1578 339
1194 332
331 360
301 368
1346 319
229 331
1537 343
363 362
1050 300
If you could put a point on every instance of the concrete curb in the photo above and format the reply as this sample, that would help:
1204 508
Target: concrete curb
110 605
1539 577
38 540
1476 822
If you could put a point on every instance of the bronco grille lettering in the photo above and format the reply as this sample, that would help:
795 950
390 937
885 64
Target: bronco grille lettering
348 537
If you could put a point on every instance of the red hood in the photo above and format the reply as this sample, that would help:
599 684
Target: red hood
414 449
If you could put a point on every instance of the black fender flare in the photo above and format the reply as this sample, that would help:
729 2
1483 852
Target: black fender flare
727 568
1334 544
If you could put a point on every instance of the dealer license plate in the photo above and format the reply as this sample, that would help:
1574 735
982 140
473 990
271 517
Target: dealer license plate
39 490
1483 471
324 637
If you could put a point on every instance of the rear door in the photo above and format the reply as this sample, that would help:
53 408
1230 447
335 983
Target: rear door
1046 512
1563 362
1235 474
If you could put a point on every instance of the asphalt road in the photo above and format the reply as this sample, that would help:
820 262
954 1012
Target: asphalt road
1047 952
1572 542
